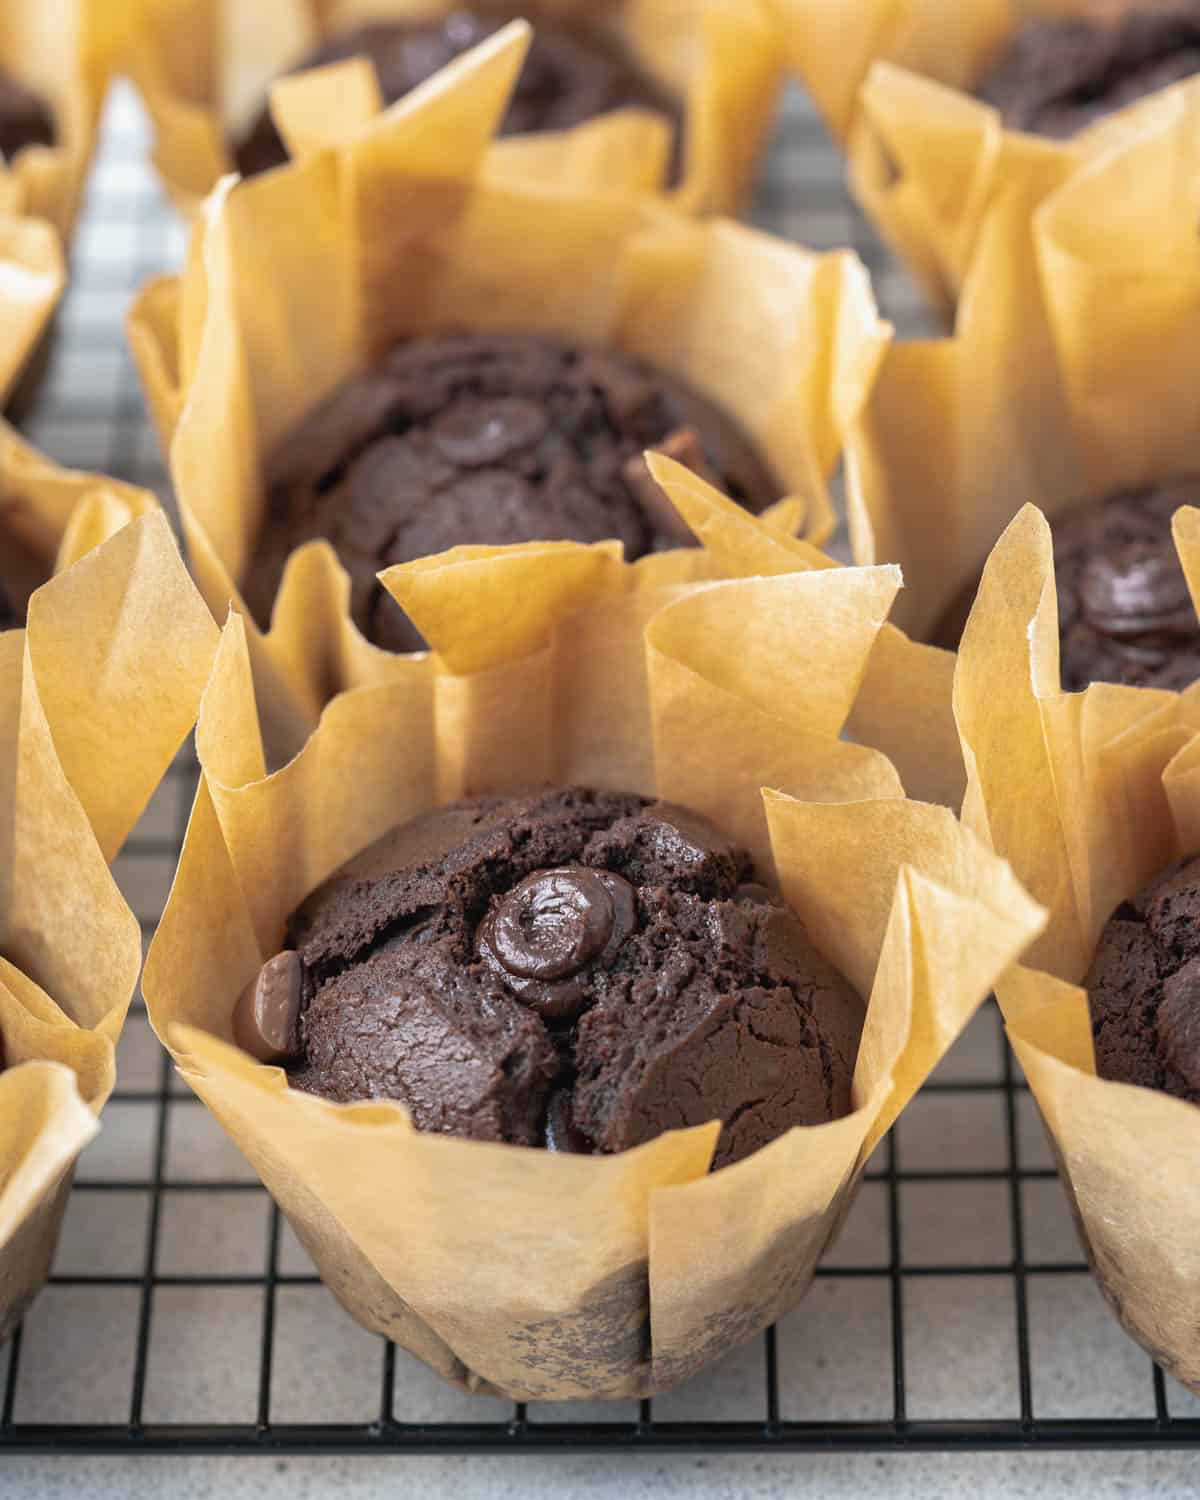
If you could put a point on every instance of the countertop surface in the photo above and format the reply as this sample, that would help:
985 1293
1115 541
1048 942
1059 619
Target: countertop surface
1113 1476
935 1236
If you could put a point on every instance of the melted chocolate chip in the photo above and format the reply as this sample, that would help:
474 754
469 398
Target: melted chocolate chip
474 433
1124 610
266 1021
551 927
1138 590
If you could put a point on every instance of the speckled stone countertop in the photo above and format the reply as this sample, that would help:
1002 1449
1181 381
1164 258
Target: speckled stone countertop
1113 1476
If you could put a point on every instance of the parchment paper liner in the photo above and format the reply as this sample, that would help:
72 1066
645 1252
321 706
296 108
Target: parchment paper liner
231 357
514 1270
95 698
892 79
1073 371
32 277
1089 795
65 50
50 516
904 705
204 68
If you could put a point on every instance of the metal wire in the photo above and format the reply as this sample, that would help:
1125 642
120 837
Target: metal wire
803 191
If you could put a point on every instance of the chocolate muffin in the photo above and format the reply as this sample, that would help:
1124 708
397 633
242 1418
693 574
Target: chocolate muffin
572 74
1124 611
488 439
573 969
1060 76
1144 987
25 117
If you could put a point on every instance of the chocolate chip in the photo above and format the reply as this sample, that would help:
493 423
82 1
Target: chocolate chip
550 928
475 433
684 446
487 494
553 924
266 1020
1138 590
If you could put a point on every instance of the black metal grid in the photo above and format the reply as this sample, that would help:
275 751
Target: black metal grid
804 196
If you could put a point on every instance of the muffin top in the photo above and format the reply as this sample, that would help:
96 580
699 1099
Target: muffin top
567 968
488 439
572 73
1060 76
1124 611
25 117
1144 987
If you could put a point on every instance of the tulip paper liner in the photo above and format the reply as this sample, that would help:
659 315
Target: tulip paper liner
51 517
63 49
1073 372
515 1270
32 277
403 233
94 707
927 161
205 67
1089 795
904 704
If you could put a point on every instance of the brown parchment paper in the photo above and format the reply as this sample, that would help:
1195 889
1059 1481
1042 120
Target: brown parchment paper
204 68
50 516
1088 795
66 51
907 686
402 231
32 277
517 1271
893 79
1072 374
96 696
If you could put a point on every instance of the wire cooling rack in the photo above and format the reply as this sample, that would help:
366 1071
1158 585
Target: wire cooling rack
182 1316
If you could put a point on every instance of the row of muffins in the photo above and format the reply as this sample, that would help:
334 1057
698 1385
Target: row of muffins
512 696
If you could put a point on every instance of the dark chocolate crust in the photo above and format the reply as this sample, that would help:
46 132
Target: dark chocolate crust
1144 987
572 74
571 968
1060 76
1124 611
488 439
25 117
